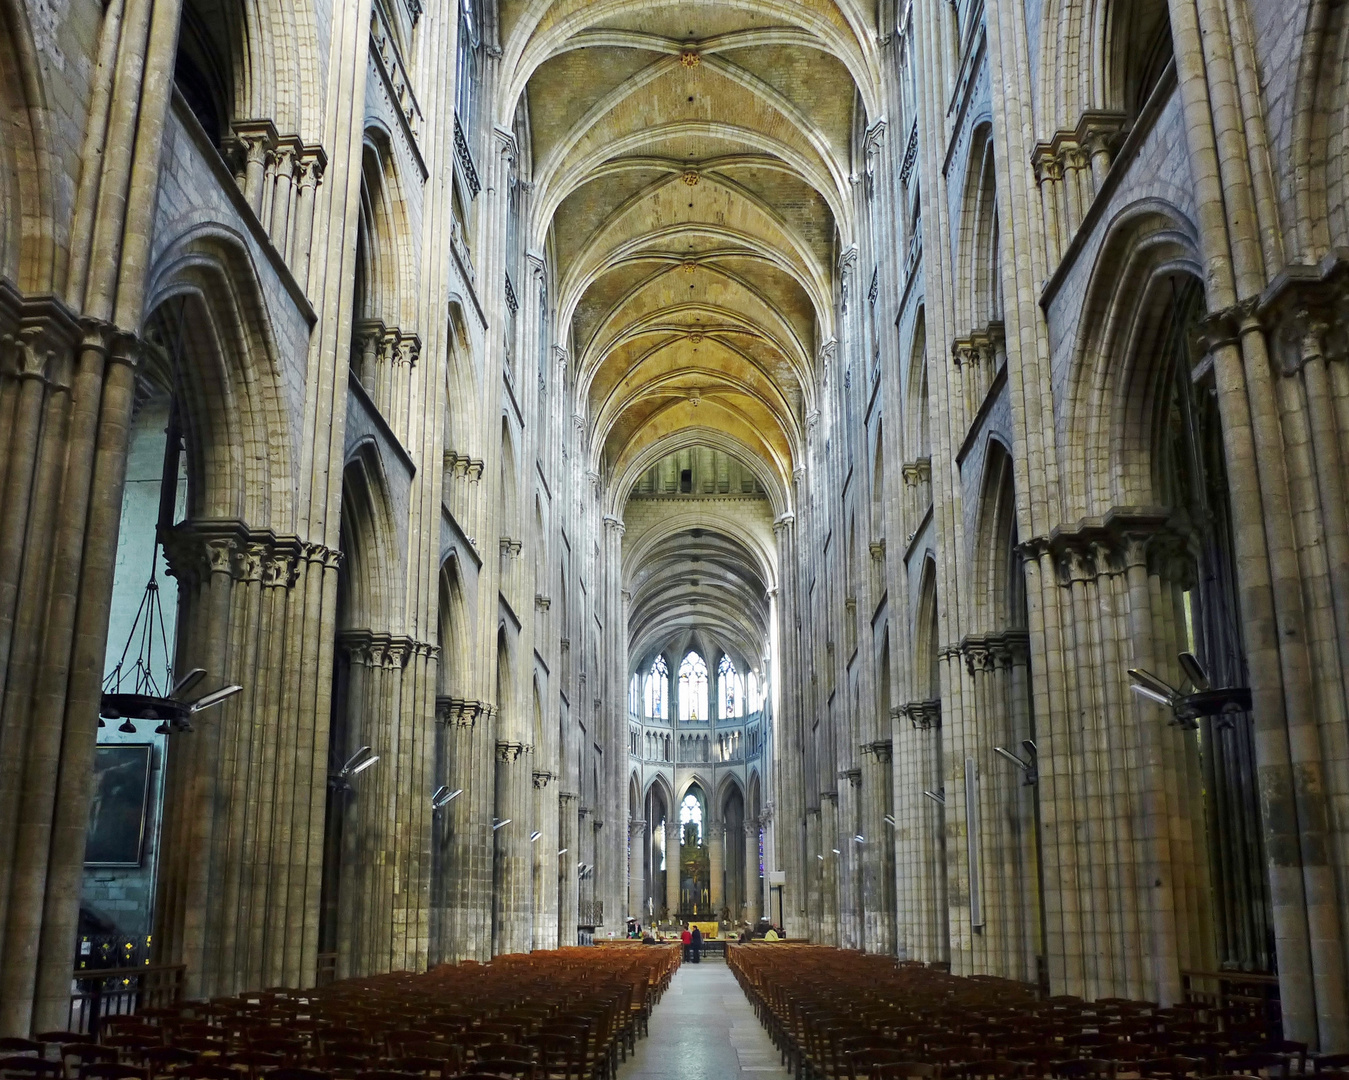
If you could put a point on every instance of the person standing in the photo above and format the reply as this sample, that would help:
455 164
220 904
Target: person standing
696 946
687 939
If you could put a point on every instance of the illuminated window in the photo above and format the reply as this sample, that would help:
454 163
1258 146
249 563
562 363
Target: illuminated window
657 685
692 689
691 813
731 692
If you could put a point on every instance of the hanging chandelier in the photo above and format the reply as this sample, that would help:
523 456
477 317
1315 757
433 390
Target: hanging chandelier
143 687
136 692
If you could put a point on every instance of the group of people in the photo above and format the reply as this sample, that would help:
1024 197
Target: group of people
693 944
691 936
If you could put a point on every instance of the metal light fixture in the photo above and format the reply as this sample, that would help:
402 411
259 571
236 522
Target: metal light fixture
133 691
534 835
563 852
1029 767
355 765
938 797
143 687
889 820
499 824
859 839
1222 703
443 796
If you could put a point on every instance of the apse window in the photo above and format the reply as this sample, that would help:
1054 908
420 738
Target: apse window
692 689
656 681
691 813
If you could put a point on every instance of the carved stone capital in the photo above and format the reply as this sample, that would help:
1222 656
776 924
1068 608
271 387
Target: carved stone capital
923 715
512 751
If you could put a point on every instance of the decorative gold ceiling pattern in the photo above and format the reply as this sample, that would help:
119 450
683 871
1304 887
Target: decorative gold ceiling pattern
691 165
692 181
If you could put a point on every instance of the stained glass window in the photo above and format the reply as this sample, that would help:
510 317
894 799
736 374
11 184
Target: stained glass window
692 689
731 691
657 686
691 812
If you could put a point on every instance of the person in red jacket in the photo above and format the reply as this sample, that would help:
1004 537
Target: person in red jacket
687 938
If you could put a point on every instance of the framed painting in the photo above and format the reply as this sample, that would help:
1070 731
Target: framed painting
117 814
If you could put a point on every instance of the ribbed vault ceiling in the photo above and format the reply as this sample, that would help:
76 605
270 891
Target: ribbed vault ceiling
699 589
691 163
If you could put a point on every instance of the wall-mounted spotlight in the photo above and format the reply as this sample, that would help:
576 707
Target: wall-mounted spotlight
534 835
443 796
1222 702
500 824
215 697
563 851
859 839
836 851
889 820
356 764
820 857
938 797
1028 765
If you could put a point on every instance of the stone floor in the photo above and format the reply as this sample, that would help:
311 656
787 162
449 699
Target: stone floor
703 1029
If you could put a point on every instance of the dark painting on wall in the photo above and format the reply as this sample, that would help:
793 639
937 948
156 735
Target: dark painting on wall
121 796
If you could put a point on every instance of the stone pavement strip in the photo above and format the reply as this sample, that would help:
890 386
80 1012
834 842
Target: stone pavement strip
704 1029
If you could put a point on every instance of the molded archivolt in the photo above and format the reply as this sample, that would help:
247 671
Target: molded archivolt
1150 251
1320 137
27 241
374 558
1099 55
235 420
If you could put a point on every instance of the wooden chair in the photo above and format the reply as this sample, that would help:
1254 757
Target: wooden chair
508 1052
73 1055
867 1063
253 1063
1270 1065
1085 1069
291 1072
507 1070
168 1060
28 1067
560 1057
906 1070
113 1070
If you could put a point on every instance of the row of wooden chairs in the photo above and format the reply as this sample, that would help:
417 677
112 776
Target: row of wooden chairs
843 1015
571 1014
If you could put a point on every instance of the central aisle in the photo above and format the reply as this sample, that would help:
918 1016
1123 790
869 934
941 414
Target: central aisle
703 1029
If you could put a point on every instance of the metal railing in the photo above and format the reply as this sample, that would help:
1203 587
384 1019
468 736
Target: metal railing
590 913
97 993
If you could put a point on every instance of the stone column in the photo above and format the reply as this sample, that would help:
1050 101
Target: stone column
829 882
512 870
877 850
567 860
716 857
787 742
672 866
752 886
636 868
